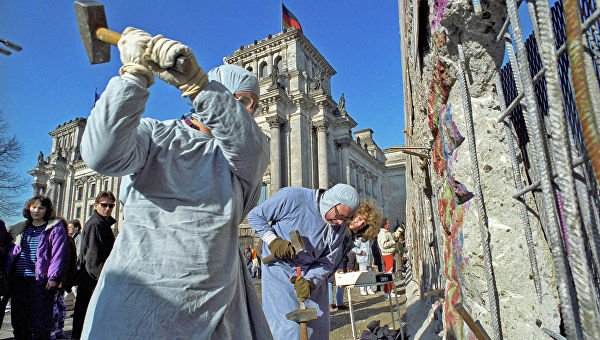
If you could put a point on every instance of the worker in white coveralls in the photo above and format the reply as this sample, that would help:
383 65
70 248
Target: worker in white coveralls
175 271
321 219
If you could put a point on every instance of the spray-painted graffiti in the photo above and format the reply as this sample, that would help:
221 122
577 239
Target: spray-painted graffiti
453 195
451 138
437 14
451 214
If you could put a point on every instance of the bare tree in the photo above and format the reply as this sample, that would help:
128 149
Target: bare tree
12 184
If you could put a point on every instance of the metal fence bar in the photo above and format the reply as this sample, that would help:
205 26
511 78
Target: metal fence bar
562 156
540 161
483 219
510 138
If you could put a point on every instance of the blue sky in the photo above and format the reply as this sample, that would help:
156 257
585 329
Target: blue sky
51 80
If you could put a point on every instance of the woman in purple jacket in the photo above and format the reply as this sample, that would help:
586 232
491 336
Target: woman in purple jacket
37 261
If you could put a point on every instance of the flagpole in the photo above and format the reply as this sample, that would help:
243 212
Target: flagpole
281 16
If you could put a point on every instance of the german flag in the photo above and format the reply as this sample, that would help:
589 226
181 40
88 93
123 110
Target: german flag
289 20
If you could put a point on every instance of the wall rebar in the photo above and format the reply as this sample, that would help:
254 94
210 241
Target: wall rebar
588 191
581 85
505 25
510 138
540 161
518 99
566 184
483 220
550 332
579 161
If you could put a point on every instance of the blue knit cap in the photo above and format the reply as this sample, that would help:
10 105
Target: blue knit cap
338 194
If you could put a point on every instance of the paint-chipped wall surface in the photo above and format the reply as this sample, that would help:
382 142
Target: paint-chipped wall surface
444 222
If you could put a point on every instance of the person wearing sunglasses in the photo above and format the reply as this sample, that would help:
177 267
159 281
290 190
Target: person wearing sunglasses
176 271
97 240
321 217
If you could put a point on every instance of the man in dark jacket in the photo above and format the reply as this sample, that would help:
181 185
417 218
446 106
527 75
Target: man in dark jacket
97 243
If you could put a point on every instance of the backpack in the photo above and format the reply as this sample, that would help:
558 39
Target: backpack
71 276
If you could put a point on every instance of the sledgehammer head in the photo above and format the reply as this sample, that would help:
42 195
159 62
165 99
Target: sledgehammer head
302 315
90 17
296 241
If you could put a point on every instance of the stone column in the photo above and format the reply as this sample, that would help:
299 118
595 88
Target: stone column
275 123
255 66
270 64
300 159
50 190
346 173
322 154
360 180
59 201
375 188
38 189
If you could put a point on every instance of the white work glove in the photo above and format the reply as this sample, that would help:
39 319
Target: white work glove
132 46
162 53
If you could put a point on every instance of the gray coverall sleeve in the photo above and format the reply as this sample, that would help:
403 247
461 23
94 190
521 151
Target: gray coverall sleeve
241 140
114 143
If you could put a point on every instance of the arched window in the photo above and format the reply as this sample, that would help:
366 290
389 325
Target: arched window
92 192
263 69
79 193
279 63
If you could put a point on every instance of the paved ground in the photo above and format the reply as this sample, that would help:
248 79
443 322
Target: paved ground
366 309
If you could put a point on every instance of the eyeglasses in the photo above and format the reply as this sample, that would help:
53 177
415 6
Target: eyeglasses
338 216
107 205
248 102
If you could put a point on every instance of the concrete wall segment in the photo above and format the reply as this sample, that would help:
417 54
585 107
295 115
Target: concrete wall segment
451 22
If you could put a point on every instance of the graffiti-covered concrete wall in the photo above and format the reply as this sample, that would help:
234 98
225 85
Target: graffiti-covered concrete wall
444 222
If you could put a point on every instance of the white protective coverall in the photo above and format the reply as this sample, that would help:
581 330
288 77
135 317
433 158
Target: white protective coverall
300 209
175 271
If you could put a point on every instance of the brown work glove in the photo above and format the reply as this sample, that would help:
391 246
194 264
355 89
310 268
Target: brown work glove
303 287
281 248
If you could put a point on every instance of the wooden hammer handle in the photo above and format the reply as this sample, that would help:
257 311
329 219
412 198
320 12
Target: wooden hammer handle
476 328
108 36
182 64
268 259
